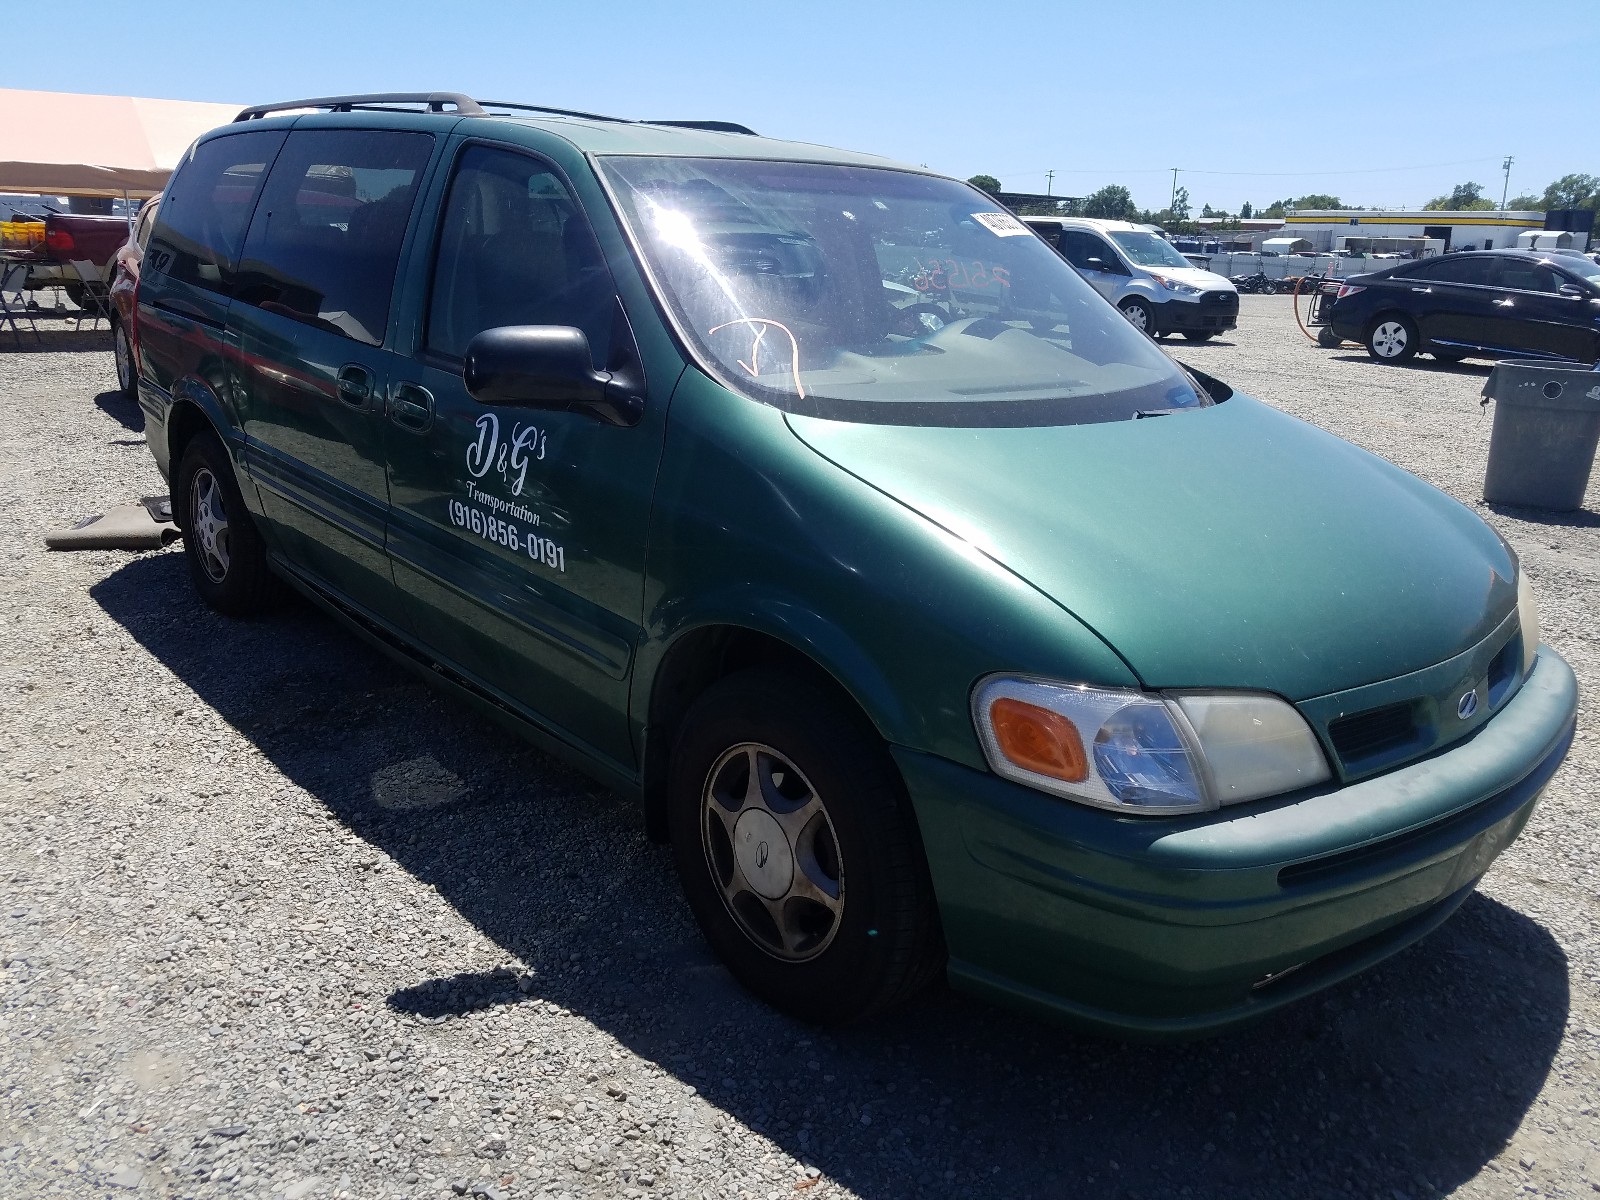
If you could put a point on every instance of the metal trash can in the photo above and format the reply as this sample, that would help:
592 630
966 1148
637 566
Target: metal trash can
1546 427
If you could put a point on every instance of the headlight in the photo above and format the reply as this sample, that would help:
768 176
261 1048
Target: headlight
1145 752
1527 620
1172 285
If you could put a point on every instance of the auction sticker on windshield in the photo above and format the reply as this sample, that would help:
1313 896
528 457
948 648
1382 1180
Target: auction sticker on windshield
1001 224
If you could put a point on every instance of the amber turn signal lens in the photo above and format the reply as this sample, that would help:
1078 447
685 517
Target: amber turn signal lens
1038 740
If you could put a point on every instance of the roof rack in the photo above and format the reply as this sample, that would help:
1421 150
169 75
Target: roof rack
712 126
558 112
464 106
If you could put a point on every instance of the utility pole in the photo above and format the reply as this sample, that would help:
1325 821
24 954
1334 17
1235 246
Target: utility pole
1049 182
1174 201
1506 191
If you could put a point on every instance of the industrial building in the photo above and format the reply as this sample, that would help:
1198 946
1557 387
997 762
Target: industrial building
1357 229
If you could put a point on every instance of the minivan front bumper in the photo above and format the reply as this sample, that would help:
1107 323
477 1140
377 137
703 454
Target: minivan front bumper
1164 927
1212 312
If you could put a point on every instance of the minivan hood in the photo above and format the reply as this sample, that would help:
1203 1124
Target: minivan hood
1227 547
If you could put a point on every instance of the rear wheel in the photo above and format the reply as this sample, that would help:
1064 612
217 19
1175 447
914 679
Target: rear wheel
1392 338
1328 339
122 350
798 851
227 559
1139 315
1198 336
1447 356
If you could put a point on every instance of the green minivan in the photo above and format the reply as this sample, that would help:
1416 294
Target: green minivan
940 621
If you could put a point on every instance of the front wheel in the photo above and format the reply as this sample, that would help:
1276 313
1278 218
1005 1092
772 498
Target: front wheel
227 559
1139 316
798 852
1392 338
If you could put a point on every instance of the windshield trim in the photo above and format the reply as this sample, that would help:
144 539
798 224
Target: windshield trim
1038 412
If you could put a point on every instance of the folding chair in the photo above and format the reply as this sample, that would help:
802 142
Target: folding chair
13 304
96 302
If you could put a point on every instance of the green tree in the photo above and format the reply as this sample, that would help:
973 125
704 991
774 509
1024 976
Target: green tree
1246 212
1180 204
1206 212
1572 191
985 183
1464 197
1112 202
1315 200
1525 203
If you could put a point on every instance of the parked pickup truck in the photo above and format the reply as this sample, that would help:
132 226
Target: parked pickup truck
70 237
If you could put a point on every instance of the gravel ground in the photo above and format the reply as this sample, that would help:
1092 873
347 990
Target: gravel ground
280 921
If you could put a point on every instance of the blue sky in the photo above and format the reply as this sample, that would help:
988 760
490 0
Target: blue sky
1379 103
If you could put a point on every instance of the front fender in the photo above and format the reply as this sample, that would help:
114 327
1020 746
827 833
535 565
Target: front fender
754 529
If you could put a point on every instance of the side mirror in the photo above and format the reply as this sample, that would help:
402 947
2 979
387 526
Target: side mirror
1573 290
1095 264
548 367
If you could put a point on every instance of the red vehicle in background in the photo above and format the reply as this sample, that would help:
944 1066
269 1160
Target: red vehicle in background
125 266
68 238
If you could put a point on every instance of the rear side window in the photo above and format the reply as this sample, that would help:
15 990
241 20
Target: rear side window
1457 268
515 250
325 240
205 209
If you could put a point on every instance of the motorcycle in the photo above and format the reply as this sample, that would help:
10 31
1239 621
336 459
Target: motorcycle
1256 285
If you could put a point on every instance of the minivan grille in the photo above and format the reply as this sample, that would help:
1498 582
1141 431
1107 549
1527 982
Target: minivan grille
1364 734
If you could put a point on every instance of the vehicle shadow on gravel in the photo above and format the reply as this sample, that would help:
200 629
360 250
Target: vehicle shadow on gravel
1428 363
55 340
122 409
1403 1082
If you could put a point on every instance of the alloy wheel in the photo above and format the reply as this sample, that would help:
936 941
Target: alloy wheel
124 358
772 852
208 524
1389 339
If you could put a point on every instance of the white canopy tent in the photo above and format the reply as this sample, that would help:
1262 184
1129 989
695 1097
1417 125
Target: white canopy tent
68 144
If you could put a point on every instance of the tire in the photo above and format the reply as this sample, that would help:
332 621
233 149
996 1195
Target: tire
1328 339
77 293
1447 356
856 931
227 559
122 350
1269 288
1139 316
1392 338
1198 336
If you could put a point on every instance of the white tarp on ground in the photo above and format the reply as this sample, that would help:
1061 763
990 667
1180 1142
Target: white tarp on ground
67 144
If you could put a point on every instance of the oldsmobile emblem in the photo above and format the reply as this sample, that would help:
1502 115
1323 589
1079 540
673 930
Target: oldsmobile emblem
1467 705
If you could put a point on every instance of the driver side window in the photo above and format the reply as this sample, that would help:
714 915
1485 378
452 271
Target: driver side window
514 249
1079 247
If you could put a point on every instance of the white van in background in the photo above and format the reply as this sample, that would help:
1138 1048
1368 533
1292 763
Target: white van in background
1156 288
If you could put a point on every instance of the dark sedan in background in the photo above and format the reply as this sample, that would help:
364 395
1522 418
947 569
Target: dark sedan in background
1489 303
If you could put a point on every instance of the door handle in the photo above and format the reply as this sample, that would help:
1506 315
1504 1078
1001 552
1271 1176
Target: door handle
1422 291
411 407
355 385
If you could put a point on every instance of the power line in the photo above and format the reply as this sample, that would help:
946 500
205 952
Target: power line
1460 162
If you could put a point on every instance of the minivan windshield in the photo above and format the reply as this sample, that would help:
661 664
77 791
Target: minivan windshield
885 296
1147 250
